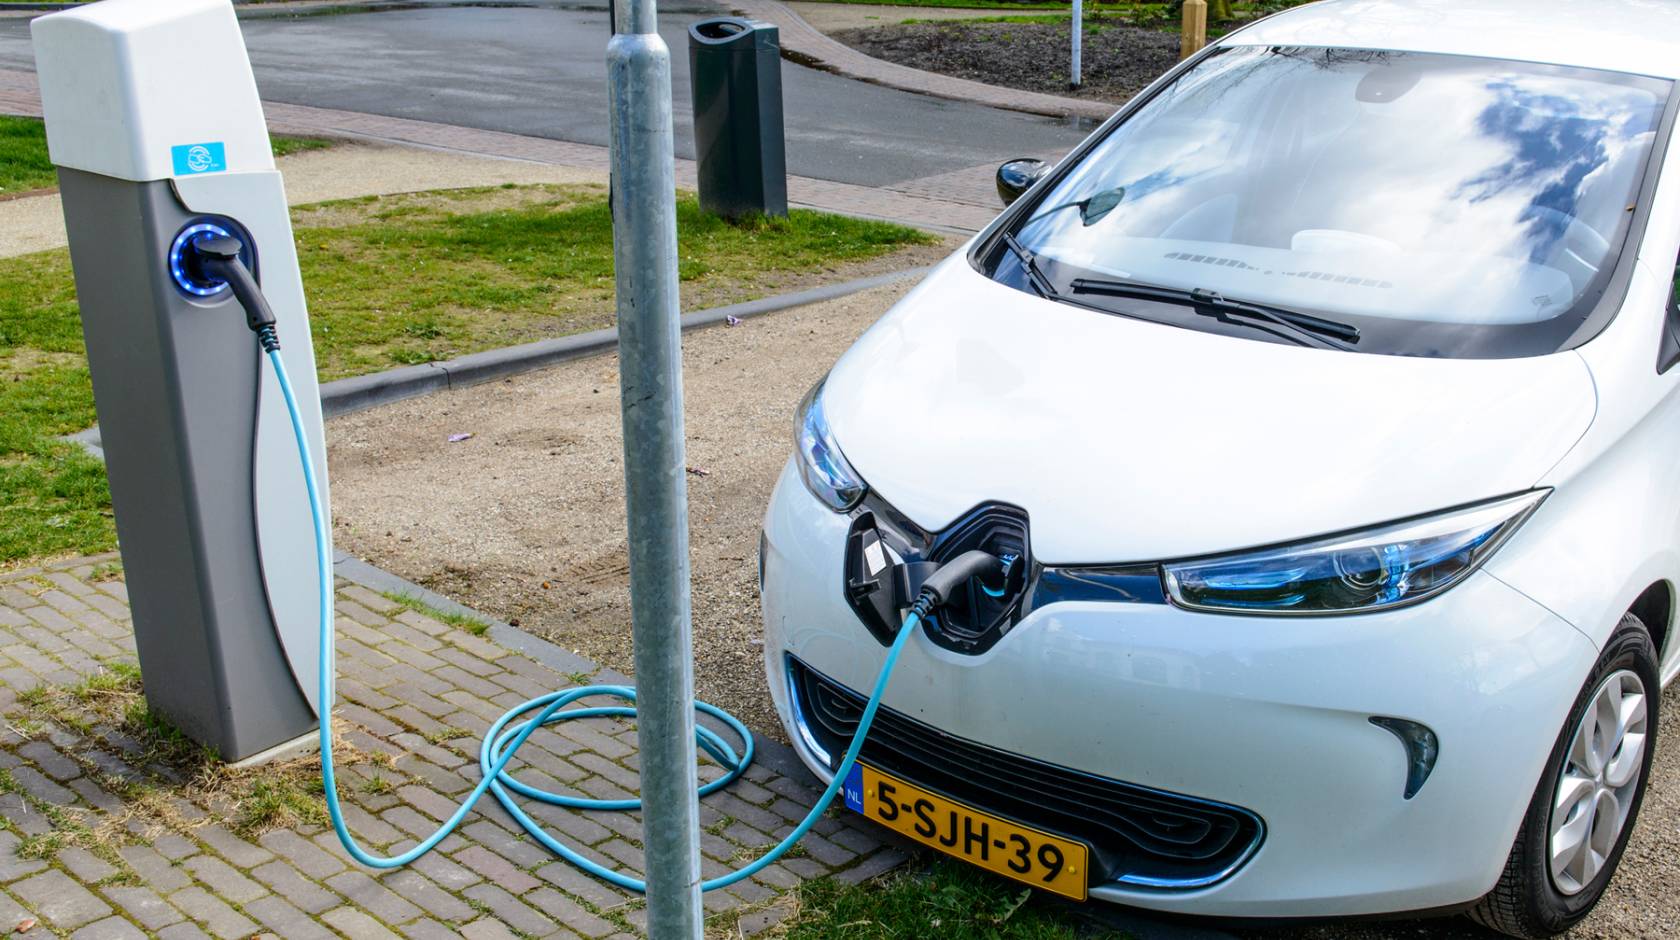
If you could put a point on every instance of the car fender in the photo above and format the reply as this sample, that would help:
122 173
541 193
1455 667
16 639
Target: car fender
1607 532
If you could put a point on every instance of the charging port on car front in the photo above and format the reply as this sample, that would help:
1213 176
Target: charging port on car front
888 559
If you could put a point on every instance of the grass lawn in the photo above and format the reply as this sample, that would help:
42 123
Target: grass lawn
390 280
23 154
945 899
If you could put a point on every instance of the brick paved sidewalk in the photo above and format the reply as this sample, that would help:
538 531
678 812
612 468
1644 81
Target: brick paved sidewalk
112 829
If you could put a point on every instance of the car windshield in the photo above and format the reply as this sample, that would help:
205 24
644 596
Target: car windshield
1440 205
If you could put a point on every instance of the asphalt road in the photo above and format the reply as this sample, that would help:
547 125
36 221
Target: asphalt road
542 72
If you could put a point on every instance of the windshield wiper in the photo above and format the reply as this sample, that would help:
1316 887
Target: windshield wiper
1304 328
1029 264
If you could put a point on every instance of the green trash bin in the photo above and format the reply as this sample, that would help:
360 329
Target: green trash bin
735 70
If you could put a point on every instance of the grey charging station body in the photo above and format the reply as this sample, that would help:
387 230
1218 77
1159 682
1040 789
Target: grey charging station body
154 123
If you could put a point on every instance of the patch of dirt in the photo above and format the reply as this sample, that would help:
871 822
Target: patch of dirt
1117 61
525 520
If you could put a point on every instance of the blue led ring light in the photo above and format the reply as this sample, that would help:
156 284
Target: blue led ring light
186 274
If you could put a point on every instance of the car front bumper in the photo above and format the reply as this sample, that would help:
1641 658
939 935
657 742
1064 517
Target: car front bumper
1271 715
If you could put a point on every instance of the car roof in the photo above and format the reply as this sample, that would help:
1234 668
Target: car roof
1618 35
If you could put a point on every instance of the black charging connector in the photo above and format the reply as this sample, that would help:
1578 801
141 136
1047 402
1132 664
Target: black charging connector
218 257
955 574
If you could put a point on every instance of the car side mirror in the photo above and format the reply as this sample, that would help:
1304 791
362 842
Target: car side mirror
1017 176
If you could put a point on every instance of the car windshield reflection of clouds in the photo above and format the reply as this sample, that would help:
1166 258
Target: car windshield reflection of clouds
1447 205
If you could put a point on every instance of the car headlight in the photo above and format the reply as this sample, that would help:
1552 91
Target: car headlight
1375 569
821 465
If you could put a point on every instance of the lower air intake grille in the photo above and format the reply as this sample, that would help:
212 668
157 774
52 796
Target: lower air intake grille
1138 836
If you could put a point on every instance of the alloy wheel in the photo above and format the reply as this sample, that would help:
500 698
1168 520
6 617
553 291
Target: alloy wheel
1600 778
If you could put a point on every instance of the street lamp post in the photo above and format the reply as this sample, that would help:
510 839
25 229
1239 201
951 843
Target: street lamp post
656 488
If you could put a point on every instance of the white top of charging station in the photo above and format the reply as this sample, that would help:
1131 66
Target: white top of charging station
149 89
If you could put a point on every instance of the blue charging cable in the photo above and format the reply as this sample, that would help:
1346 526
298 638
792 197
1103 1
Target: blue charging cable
511 730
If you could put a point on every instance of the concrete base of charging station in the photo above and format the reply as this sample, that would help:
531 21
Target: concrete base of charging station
301 746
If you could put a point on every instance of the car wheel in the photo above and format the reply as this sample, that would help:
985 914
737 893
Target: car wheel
1585 805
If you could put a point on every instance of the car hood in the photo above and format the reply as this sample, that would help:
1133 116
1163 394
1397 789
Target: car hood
1126 440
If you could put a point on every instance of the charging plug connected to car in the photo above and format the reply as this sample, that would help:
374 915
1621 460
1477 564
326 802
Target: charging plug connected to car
215 259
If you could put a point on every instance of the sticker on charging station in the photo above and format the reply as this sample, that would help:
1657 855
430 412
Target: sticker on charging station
194 159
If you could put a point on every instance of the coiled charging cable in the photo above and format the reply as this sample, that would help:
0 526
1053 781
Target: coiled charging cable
220 259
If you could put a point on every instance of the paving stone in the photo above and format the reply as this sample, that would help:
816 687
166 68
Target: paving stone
11 912
377 603
42 788
183 931
96 796
224 879
567 878
450 876
517 849
430 802
415 887
174 846
111 928
510 910
417 825
488 929
229 846
86 866
48 758
294 887
357 925
216 916
825 851
304 855
760 921
624 852
497 869
371 896
286 920
156 871
878 864
25 819
569 912
751 891
428 929
11 866
144 906
59 900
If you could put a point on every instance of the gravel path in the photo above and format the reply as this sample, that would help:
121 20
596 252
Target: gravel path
1118 61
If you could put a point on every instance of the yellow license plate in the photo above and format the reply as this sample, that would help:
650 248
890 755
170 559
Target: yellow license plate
1010 849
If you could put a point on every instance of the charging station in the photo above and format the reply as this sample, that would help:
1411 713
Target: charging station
154 123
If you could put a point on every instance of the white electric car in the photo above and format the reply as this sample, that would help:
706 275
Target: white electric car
1324 408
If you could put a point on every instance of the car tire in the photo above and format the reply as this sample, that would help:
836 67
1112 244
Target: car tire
1531 899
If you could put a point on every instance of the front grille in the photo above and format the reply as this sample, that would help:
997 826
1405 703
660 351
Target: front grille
1138 836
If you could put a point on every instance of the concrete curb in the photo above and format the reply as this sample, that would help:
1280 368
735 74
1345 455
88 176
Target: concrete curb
346 396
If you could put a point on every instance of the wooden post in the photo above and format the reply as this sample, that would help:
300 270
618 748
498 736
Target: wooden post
1194 36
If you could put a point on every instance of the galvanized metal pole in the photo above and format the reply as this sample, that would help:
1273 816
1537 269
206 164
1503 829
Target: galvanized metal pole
1076 78
656 487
